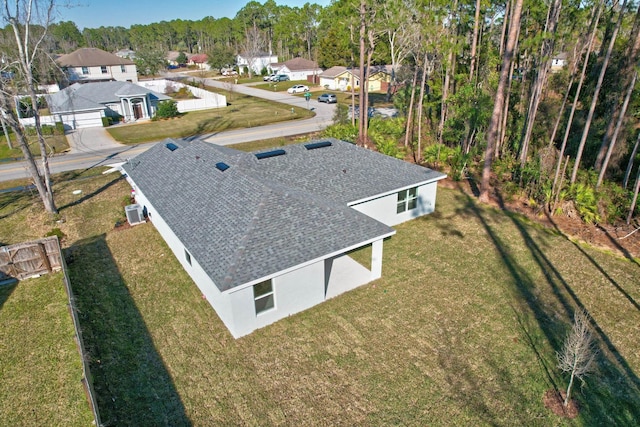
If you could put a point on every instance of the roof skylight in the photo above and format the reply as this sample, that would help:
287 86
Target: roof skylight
222 166
268 154
315 145
171 146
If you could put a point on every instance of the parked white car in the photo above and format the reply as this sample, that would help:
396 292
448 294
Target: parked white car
298 88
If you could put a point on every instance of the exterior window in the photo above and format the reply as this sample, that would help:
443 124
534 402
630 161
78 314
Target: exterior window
103 69
85 70
263 296
187 255
407 200
123 68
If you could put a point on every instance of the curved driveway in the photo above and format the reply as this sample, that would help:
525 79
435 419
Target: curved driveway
93 147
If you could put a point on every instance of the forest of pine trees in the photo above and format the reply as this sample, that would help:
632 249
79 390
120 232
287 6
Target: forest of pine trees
473 81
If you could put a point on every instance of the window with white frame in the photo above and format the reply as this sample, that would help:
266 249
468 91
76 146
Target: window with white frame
85 70
263 296
123 69
407 200
187 256
103 69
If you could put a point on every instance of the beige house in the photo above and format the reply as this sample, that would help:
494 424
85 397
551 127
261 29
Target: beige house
95 65
345 79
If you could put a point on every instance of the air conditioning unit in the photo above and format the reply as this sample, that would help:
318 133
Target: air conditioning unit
134 214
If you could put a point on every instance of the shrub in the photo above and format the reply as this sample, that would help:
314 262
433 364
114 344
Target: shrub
343 131
56 232
586 202
167 109
59 128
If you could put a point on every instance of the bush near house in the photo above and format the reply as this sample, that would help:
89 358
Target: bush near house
167 109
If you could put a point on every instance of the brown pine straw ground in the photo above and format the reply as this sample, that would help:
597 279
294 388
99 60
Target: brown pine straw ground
620 238
554 401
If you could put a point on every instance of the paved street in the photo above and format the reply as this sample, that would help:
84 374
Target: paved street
93 147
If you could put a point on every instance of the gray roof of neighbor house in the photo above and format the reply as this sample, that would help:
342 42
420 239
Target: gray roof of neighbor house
91 96
240 224
91 57
300 64
338 69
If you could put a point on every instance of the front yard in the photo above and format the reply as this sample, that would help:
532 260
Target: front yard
462 329
242 112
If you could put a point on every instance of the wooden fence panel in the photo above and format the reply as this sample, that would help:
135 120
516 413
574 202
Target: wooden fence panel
24 260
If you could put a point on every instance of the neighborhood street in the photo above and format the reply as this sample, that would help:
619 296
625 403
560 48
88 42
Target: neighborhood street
91 147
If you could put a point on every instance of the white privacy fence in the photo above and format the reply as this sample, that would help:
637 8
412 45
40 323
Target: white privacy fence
206 100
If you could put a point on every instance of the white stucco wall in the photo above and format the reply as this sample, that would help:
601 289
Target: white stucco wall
384 209
293 292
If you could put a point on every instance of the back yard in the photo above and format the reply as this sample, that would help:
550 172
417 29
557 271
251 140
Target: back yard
462 329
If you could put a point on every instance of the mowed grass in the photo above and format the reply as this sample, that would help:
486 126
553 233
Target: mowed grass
242 112
40 367
462 329
57 143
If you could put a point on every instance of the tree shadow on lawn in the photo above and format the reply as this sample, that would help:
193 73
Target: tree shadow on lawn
86 197
132 384
614 393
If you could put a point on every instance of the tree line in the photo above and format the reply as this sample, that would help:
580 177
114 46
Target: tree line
534 97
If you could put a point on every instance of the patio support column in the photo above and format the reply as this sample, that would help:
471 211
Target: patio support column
376 259
145 101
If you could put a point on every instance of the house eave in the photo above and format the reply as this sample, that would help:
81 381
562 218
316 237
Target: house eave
386 193
307 263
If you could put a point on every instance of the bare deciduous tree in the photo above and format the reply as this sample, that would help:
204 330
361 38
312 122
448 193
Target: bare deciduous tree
578 353
22 16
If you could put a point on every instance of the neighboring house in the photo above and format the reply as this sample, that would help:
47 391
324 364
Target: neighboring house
84 105
126 53
297 69
345 79
256 62
95 65
199 60
558 62
268 234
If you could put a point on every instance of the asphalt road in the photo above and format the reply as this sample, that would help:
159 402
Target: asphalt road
92 151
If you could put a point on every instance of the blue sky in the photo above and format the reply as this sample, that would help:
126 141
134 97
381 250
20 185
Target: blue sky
97 13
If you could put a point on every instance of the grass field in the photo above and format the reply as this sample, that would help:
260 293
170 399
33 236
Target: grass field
462 329
40 368
242 112
58 143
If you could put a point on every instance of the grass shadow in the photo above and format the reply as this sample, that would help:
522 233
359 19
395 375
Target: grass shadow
132 384
84 198
6 290
598 406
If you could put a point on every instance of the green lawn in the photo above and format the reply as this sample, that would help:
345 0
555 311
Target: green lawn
56 142
462 328
40 367
242 112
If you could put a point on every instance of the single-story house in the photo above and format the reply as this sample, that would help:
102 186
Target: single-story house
199 60
345 79
90 64
256 61
268 234
297 69
83 105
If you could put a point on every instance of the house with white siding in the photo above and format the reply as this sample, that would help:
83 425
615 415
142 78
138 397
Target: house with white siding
297 69
268 234
90 64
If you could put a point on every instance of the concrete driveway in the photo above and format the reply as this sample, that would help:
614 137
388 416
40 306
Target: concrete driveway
90 140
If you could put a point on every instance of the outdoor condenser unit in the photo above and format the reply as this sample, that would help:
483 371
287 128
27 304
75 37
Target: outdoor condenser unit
134 214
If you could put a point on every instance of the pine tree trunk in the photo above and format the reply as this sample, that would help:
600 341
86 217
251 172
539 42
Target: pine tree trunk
616 131
576 97
635 197
421 106
409 128
627 73
492 132
474 40
594 101
363 108
627 173
541 78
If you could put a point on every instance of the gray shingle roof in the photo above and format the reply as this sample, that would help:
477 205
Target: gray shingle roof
91 96
260 217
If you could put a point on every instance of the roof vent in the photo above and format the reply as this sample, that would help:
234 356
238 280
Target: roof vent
268 154
315 145
171 146
221 166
